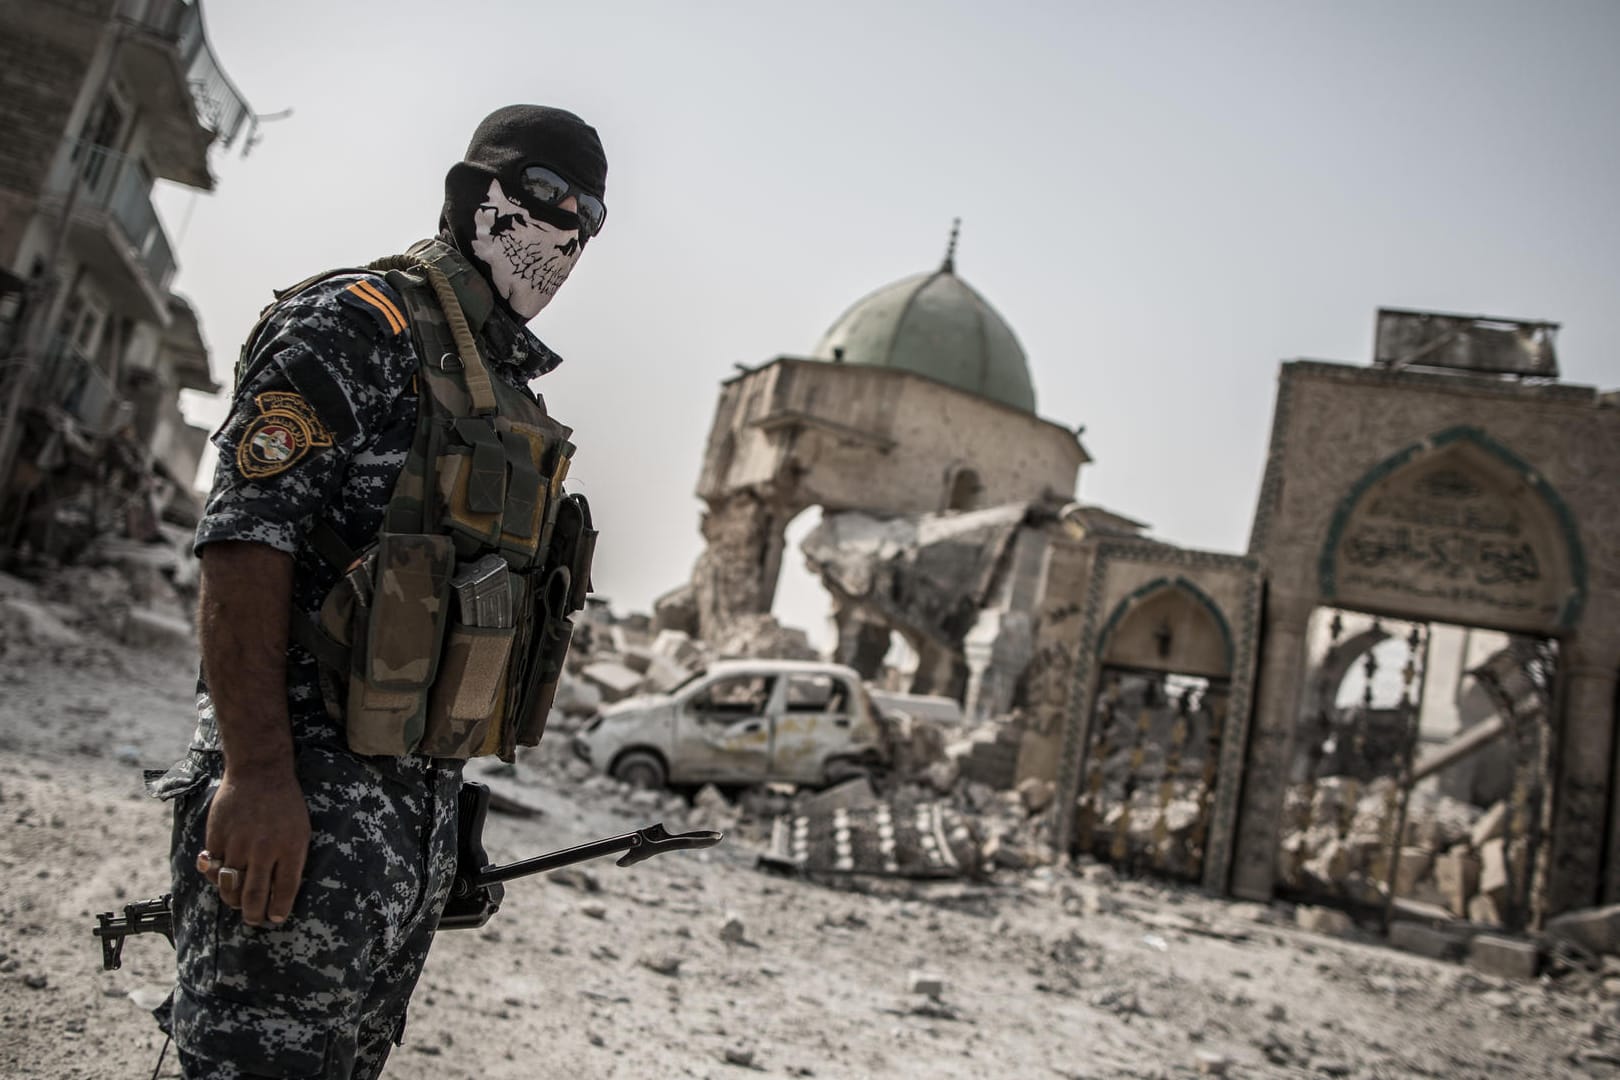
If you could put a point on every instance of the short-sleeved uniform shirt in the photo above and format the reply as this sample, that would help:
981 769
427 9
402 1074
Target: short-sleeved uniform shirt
321 421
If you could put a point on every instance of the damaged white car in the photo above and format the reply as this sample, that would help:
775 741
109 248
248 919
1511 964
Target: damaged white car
741 722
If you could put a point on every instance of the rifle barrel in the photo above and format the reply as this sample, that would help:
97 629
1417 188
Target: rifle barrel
556 860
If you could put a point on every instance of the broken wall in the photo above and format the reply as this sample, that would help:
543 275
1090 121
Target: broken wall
1517 532
801 433
1123 577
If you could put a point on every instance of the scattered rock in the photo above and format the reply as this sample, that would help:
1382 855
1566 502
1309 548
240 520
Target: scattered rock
591 909
732 931
1212 1064
1422 940
1595 929
1320 920
1483 910
1490 826
662 963
573 877
1457 875
614 680
36 981
921 982
1504 957
1494 880
1036 793
851 794
739 1055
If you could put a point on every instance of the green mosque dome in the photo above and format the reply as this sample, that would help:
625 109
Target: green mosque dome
936 325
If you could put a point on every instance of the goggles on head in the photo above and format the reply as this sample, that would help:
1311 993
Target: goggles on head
548 188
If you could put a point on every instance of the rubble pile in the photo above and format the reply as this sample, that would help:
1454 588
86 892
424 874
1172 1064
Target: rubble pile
614 658
1452 857
1161 825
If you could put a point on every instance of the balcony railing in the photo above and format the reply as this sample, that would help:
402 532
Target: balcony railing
120 187
220 106
73 382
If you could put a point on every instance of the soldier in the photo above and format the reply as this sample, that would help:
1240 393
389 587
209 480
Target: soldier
383 461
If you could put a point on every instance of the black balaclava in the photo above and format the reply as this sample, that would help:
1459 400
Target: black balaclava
525 249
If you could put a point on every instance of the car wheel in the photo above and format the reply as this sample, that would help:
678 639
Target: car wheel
840 769
641 769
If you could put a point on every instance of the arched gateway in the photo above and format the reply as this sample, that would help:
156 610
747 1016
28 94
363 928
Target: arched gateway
1434 715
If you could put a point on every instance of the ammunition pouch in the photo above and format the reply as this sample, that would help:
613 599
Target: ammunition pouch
451 630
398 629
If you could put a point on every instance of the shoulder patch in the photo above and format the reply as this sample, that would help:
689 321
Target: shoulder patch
285 430
378 302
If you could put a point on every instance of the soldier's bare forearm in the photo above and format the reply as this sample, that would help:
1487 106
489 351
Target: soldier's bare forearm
243 607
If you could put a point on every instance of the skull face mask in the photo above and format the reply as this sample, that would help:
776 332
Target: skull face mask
528 259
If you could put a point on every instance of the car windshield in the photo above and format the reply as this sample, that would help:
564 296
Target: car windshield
689 680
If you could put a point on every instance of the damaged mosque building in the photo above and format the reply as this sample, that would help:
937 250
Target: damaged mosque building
1400 700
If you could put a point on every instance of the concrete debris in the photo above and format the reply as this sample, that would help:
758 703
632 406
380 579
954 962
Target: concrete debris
849 795
1453 855
942 776
573 877
1457 874
732 931
934 708
926 983
667 964
1320 920
576 697
25 624
712 810
676 610
1483 910
762 637
1491 825
615 680
156 631
1596 930
1494 882
1421 940
1036 793
1504 957
989 754
678 647
741 1056
915 745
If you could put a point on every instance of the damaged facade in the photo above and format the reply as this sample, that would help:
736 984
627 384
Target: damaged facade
1399 701
913 427
103 98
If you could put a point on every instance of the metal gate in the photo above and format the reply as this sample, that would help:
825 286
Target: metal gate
1368 824
1151 764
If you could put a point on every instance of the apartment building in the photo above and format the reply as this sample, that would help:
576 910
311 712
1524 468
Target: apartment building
101 99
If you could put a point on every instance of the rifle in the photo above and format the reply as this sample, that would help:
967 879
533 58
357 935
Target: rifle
476 893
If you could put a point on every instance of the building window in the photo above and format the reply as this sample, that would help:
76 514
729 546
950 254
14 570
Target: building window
964 490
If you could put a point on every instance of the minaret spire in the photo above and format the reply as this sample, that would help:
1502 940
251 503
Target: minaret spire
949 265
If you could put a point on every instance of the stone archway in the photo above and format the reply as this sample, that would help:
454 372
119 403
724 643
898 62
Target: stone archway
1153 750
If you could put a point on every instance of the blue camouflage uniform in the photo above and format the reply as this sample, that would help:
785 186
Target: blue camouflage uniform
323 416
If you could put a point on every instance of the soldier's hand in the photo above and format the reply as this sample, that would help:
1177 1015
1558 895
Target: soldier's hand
258 826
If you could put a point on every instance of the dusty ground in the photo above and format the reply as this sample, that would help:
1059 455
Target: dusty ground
625 973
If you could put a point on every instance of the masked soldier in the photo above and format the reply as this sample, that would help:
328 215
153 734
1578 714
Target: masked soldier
389 560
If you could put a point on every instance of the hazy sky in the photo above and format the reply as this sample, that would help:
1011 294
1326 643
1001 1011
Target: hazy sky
1163 200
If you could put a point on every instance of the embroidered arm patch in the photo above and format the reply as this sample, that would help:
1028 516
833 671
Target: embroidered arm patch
285 430
369 297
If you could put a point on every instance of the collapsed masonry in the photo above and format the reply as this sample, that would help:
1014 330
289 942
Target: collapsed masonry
1175 699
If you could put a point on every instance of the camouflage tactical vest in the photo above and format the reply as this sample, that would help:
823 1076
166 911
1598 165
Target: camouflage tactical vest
446 636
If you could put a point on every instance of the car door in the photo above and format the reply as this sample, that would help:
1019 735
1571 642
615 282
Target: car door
723 731
813 725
